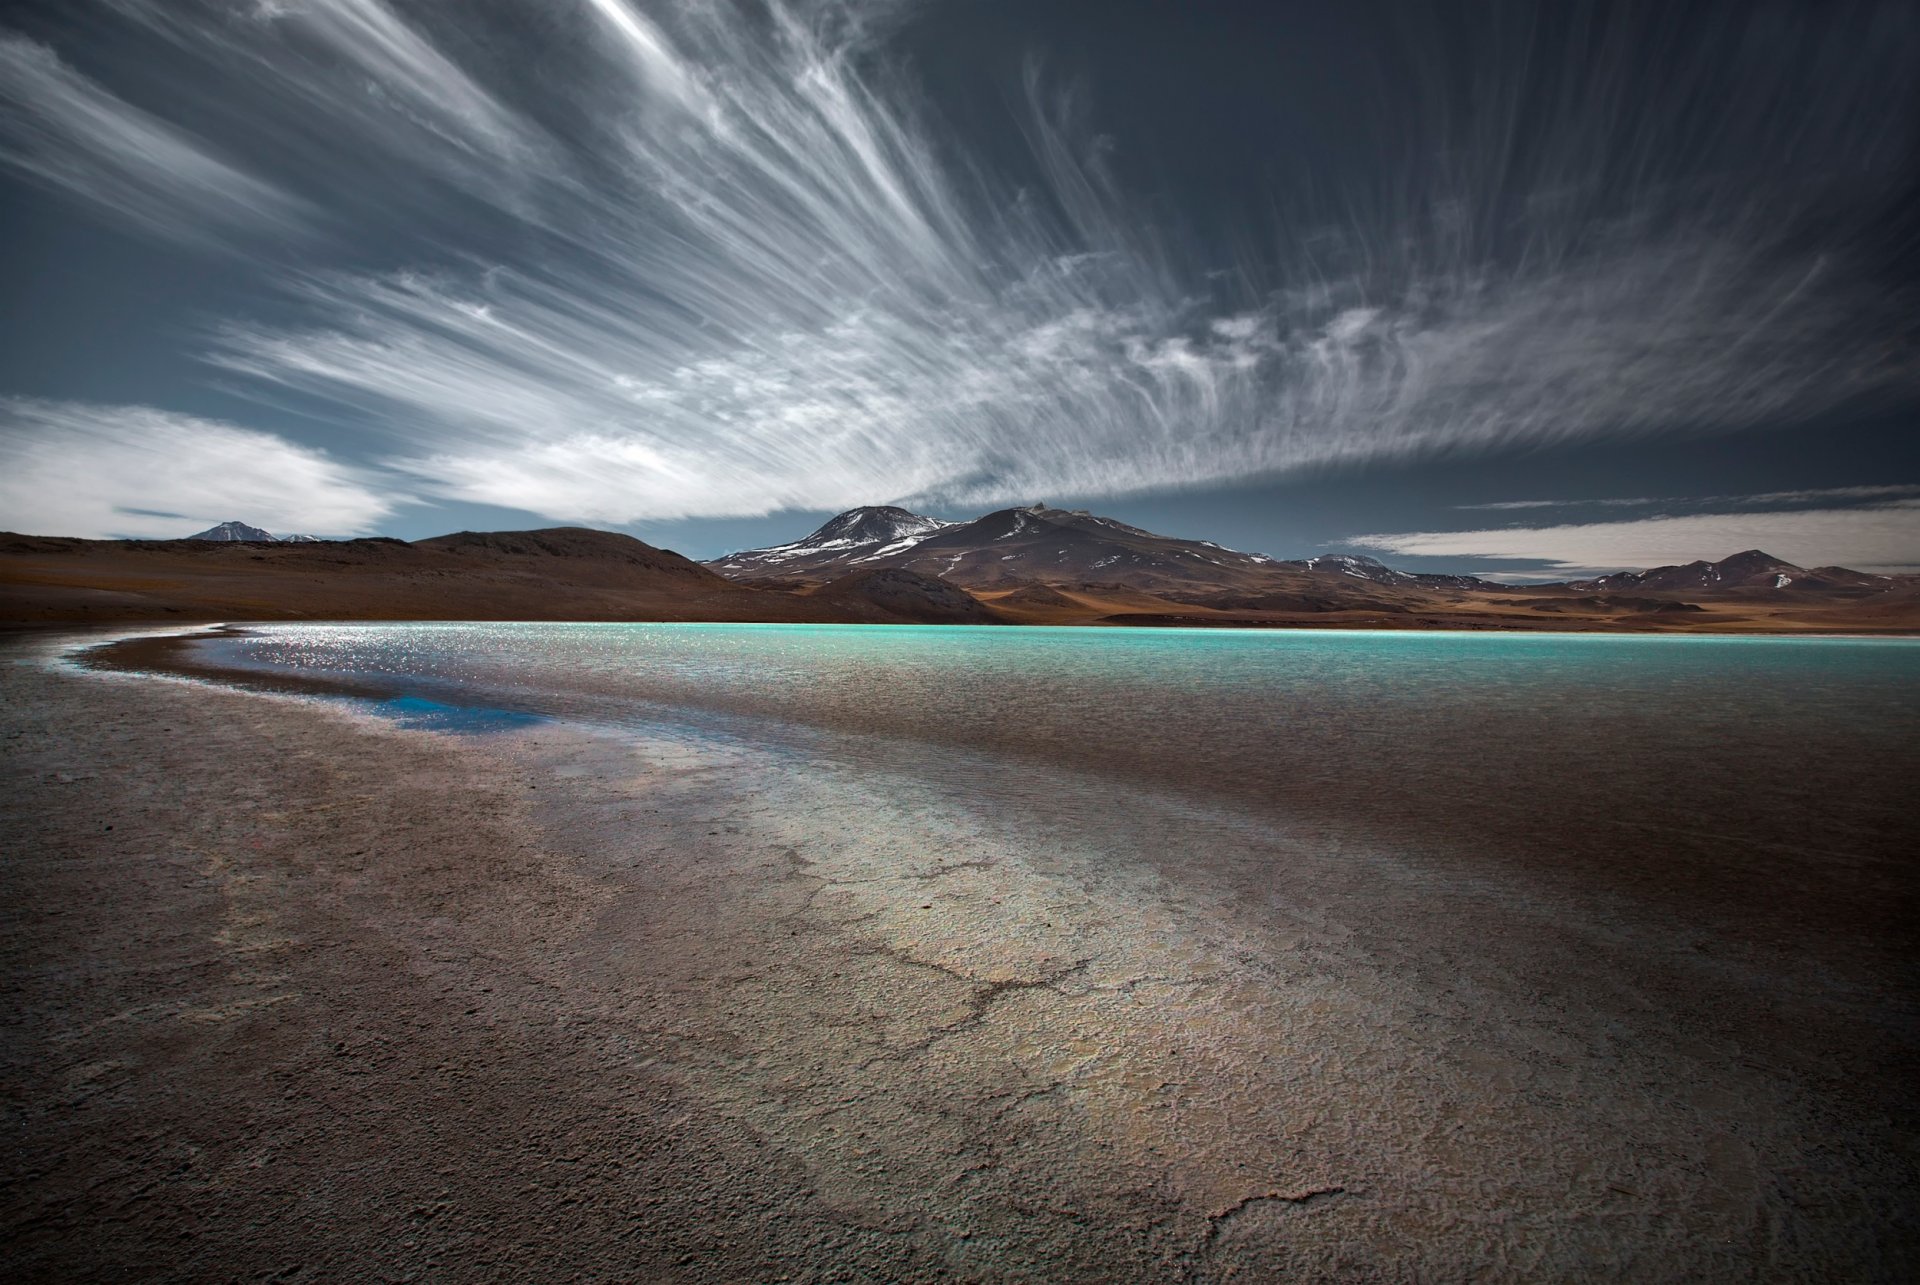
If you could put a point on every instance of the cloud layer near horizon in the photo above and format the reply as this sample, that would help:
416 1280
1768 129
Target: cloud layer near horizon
731 266
1879 538
99 472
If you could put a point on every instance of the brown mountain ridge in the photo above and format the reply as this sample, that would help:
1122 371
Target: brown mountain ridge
1041 565
885 565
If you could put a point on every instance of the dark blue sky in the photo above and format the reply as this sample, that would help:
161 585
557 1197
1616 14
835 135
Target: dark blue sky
1493 287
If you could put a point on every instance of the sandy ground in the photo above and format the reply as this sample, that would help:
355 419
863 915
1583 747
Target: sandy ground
294 995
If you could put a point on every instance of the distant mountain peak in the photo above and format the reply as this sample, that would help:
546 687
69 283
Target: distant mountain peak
872 524
859 535
1357 565
1750 570
1756 560
237 531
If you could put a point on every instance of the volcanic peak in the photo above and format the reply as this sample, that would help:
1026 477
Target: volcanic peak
236 532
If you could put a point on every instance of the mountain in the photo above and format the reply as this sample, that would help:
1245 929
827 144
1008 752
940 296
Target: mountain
1077 552
237 531
1041 565
1356 565
1002 549
563 573
560 573
1748 572
589 550
240 532
1035 565
857 537
1037 545
1059 546
1361 567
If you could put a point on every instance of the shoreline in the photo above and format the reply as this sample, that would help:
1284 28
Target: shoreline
166 648
173 654
553 1002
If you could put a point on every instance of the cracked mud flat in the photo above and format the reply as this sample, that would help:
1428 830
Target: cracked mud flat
334 1000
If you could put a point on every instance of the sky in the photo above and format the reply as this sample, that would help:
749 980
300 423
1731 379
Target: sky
1525 290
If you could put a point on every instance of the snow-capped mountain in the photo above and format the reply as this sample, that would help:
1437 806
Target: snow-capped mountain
1359 566
871 535
1065 546
1044 563
236 531
1038 545
1005 548
1749 571
240 532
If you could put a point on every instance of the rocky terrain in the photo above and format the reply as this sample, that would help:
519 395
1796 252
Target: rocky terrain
886 565
1041 565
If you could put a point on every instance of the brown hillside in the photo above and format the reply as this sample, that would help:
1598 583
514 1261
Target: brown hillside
561 574
897 596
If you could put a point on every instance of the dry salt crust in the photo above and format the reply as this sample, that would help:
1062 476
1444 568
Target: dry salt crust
338 1000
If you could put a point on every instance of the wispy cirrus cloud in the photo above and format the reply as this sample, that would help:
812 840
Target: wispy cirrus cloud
718 259
72 135
1882 537
354 102
133 471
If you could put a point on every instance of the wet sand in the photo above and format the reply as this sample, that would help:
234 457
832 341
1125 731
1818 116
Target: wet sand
292 991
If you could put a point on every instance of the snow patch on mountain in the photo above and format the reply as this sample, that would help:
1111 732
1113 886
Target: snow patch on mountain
234 532
871 531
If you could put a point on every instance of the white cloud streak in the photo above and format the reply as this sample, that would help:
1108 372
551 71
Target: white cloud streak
351 94
1528 504
70 134
742 272
1881 538
100 472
